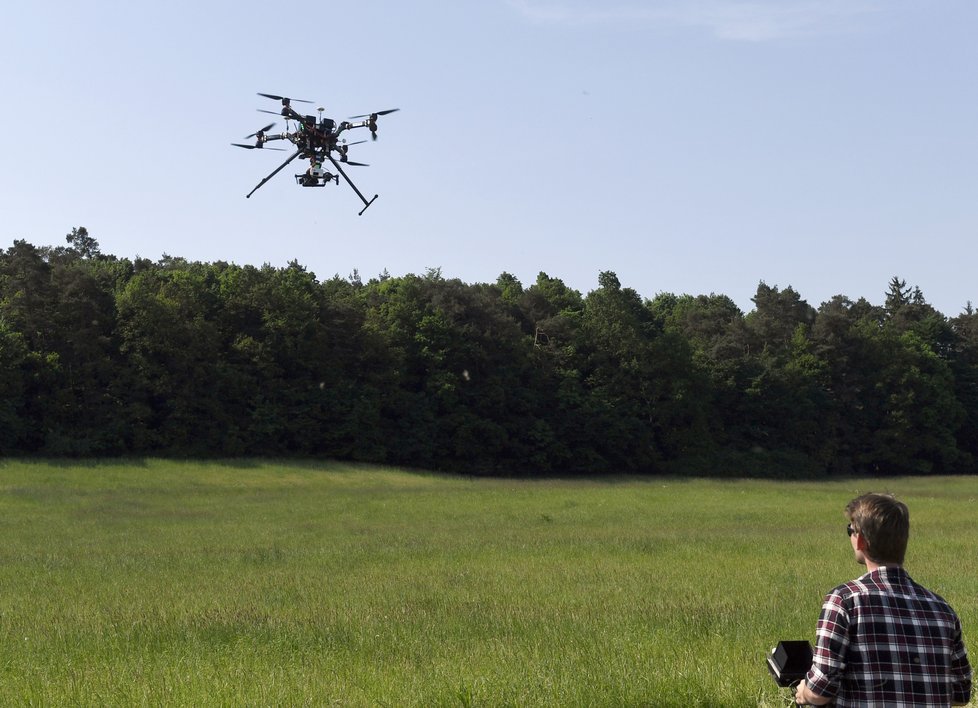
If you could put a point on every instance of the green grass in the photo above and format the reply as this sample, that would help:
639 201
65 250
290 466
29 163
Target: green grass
263 583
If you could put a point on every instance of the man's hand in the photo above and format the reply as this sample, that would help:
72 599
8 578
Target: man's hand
805 697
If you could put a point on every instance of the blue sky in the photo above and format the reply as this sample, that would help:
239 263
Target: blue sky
691 147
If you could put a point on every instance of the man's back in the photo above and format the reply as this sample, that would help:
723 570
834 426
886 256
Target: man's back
883 639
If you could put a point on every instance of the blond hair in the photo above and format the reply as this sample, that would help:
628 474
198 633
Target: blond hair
884 524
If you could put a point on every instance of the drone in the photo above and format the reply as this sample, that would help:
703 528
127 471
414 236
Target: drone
316 140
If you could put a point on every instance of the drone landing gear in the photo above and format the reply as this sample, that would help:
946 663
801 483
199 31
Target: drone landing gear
352 186
367 204
277 170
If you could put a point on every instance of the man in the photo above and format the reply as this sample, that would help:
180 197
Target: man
882 639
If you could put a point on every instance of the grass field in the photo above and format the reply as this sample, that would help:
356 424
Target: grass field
263 583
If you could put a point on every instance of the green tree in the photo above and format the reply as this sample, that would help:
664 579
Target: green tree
964 366
27 294
82 243
898 296
843 336
467 391
13 353
908 311
921 414
776 316
644 394
61 307
167 318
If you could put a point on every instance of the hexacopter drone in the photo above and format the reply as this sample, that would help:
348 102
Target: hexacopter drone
315 140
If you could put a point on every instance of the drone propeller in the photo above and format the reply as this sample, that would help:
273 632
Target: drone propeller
344 147
355 164
260 131
372 120
374 115
284 99
255 147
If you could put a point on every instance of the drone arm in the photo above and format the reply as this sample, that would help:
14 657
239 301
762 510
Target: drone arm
353 186
279 169
360 124
290 112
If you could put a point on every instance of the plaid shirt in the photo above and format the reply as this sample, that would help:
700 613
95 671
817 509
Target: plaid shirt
884 640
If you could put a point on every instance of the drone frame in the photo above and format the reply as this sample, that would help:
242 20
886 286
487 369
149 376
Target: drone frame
316 141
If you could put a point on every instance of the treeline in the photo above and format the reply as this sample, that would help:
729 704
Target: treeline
106 356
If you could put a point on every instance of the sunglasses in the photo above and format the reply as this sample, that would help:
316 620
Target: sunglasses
850 530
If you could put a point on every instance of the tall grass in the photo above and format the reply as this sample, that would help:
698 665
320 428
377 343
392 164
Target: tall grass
263 583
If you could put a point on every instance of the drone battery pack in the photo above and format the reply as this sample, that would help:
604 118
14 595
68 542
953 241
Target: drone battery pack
790 661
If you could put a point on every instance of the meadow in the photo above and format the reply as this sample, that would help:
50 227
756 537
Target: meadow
150 582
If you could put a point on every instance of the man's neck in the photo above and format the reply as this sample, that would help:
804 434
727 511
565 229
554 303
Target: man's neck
872 565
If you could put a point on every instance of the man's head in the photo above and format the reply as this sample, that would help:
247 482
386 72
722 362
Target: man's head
883 524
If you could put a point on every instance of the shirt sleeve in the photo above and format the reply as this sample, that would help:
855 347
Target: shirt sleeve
831 645
960 670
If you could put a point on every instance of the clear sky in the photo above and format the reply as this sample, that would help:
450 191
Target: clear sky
690 146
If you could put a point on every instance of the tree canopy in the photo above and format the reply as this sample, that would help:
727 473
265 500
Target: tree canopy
105 356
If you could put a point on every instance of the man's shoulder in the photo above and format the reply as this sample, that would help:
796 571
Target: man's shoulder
884 581
846 590
873 582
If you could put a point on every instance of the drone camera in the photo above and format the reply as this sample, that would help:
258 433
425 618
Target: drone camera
318 178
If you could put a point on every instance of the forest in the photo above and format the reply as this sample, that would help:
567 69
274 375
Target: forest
102 356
